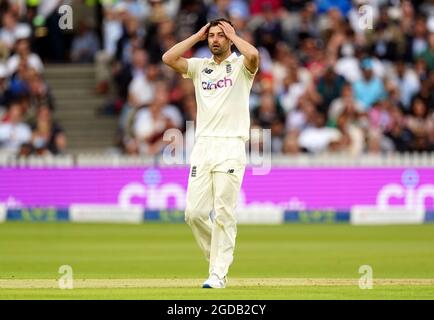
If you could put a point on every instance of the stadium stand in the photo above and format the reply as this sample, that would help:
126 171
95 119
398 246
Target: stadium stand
326 83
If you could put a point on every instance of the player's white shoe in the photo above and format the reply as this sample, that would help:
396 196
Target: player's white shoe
214 282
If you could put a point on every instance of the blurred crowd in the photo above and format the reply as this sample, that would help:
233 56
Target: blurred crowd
27 124
329 80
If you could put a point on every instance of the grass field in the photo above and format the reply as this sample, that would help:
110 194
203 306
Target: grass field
162 261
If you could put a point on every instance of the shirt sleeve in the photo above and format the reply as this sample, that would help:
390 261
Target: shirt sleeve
193 68
249 75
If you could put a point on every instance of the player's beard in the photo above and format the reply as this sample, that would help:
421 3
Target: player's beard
218 51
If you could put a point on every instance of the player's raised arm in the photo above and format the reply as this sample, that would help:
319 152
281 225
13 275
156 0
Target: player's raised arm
250 53
173 57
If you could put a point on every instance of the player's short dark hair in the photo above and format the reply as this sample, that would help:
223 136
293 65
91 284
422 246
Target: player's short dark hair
216 22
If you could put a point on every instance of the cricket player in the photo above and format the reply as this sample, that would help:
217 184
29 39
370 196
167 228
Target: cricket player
222 85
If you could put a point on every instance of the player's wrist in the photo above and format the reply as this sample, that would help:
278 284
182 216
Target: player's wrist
197 37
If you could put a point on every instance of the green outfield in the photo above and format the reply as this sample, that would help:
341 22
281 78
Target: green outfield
162 261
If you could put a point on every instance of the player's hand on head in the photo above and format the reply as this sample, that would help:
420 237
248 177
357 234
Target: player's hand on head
227 29
203 32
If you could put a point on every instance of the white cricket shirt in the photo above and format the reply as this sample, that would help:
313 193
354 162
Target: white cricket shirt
222 96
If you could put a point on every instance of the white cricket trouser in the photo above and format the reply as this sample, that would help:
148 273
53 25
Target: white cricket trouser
216 175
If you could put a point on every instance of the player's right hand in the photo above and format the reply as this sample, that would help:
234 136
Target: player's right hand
202 33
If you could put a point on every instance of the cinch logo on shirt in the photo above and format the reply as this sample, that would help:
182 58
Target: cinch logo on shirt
223 83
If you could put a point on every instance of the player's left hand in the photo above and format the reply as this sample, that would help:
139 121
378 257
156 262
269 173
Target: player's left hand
227 29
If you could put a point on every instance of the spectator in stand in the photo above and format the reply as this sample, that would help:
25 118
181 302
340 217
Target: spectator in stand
3 90
140 94
149 127
269 32
270 116
161 34
345 102
298 119
189 18
112 32
85 44
318 138
290 143
426 92
407 82
420 123
353 136
11 30
398 132
14 133
257 6
48 136
23 54
298 24
370 89
18 84
294 88
428 54
132 38
329 88
317 63
141 88
417 40
39 92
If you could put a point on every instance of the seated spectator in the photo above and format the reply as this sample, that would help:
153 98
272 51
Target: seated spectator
421 69
131 39
141 88
257 6
3 90
407 82
140 92
189 108
294 88
353 138
419 123
380 115
23 54
298 119
11 30
428 54
290 143
39 92
14 133
149 127
378 143
416 41
18 85
48 136
270 116
426 93
370 89
324 6
112 30
398 132
218 9
85 44
317 138
135 8
344 102
329 88
122 76
269 31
